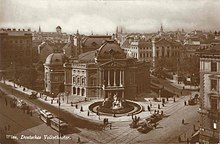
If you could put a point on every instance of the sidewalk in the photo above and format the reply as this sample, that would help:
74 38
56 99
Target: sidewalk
80 101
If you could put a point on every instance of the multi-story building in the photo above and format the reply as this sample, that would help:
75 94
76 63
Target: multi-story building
55 37
150 49
106 71
54 72
209 95
15 49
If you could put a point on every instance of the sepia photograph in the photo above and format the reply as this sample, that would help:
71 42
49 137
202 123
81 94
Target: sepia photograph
109 72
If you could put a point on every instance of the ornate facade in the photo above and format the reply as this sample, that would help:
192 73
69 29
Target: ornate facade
105 72
54 72
209 95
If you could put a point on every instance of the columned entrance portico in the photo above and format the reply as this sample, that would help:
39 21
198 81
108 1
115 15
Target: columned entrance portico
112 78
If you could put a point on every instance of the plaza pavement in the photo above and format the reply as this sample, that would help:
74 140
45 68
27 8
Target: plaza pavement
81 102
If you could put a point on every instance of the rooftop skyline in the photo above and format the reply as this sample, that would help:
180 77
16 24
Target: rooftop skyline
101 17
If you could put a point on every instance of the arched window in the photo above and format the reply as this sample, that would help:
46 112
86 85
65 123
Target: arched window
74 90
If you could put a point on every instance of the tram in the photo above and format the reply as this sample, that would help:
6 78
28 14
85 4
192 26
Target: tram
58 125
46 116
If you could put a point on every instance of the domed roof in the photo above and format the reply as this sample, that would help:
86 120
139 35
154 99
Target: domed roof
58 27
55 59
110 49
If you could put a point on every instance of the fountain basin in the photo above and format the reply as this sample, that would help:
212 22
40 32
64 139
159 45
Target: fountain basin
128 109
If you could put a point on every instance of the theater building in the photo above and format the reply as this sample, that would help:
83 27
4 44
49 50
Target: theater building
106 71
54 72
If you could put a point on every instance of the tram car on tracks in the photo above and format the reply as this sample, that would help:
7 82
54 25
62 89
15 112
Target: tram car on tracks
58 125
54 122
45 116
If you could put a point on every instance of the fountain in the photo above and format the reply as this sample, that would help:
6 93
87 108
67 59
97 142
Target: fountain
115 105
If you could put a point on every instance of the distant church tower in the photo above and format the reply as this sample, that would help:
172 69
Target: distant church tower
39 29
161 28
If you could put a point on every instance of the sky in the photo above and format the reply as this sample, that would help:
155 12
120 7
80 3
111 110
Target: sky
103 16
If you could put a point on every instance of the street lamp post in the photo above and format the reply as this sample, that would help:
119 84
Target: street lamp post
59 115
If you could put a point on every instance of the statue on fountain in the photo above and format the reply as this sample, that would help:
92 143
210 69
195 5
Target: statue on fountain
117 102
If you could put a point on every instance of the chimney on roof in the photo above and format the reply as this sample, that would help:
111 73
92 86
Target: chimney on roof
19 29
14 29
9 29
23 29
29 29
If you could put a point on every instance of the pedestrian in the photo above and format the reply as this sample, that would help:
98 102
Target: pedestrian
57 101
88 113
81 108
161 112
182 121
76 106
163 104
110 126
167 99
174 99
148 107
78 141
52 101
104 121
184 102
158 106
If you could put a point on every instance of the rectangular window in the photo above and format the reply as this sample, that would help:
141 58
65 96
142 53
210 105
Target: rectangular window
213 84
214 104
213 66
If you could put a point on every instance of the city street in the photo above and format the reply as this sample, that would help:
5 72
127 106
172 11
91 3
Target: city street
168 130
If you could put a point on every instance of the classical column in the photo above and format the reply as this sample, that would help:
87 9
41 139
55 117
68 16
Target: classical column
102 77
120 78
108 77
122 95
114 77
